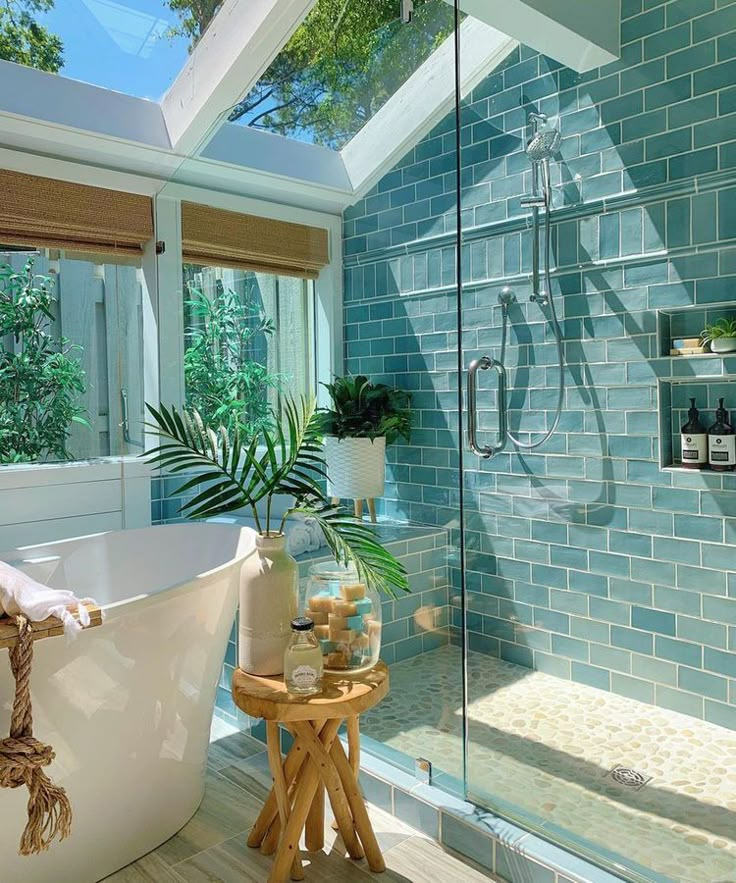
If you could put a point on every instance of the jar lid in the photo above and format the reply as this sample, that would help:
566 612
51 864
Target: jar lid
302 624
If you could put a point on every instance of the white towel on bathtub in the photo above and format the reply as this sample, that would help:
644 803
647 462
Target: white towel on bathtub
19 593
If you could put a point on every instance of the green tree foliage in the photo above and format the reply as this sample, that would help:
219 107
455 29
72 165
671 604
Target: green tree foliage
339 67
41 380
225 382
24 41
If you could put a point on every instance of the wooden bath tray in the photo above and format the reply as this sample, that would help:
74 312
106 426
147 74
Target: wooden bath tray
47 628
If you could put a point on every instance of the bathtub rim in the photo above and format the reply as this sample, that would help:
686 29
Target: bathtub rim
116 609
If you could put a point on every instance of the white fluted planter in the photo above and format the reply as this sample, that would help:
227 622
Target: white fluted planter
356 467
269 582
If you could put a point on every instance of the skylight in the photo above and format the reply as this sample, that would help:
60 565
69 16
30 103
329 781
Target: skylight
132 46
341 65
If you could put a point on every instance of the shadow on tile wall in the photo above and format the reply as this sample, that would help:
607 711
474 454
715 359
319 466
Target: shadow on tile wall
585 558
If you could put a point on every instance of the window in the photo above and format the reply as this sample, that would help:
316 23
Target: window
248 340
71 356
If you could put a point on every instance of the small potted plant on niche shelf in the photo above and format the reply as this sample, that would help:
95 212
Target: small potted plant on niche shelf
721 335
363 419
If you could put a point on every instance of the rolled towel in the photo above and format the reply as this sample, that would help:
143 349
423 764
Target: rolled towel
20 594
297 538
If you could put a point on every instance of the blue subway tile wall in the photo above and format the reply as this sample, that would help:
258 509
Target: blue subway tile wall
586 558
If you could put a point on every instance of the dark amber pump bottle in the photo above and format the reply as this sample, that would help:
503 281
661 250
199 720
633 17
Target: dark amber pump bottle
722 442
694 440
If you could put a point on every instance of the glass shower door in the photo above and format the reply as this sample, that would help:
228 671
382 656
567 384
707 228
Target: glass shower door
598 645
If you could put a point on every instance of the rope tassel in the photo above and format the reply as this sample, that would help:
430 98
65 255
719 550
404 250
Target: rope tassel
22 758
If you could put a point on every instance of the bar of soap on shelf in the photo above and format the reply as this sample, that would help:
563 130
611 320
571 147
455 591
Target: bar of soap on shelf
323 602
363 605
318 617
342 636
352 593
327 647
322 632
337 622
345 608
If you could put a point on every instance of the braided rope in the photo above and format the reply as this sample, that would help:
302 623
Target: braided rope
22 757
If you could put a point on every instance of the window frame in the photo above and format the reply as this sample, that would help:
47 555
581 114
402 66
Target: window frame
328 287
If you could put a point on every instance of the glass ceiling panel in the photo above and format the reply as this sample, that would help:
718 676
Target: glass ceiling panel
132 46
341 66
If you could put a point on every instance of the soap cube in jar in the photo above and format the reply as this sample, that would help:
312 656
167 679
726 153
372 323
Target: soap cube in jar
352 592
322 602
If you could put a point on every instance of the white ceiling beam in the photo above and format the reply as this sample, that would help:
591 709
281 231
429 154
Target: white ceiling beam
229 59
581 35
421 102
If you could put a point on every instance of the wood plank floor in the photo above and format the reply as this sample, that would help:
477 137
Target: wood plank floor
212 848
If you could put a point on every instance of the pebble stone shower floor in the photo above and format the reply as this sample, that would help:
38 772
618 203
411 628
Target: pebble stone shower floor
549 746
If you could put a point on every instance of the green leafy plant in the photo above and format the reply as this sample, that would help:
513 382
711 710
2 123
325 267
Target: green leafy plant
725 327
286 460
41 380
361 409
225 383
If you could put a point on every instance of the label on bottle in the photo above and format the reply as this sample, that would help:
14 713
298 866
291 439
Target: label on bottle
722 450
694 448
304 676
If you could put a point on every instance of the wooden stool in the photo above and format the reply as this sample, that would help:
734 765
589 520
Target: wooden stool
316 761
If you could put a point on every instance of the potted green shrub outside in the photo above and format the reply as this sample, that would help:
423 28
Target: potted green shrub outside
363 419
236 471
721 335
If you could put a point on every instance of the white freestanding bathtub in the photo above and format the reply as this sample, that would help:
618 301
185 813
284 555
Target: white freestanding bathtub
127 706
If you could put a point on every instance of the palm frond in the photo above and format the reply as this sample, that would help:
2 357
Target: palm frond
235 474
352 542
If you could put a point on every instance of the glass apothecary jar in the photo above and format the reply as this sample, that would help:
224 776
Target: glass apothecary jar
346 615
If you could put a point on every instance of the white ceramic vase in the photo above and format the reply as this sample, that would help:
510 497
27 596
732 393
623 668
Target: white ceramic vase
269 581
356 467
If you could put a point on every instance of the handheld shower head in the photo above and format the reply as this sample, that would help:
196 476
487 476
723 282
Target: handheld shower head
542 144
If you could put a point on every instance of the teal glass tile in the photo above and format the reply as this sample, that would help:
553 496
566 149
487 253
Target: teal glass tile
678 651
720 661
467 839
703 684
634 688
677 700
651 620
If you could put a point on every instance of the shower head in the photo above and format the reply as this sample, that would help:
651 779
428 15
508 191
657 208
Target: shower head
542 144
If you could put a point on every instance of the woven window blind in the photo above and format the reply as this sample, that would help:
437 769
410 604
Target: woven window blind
47 213
214 237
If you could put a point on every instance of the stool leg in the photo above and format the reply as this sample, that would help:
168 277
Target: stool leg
372 509
353 726
268 816
335 501
280 788
357 807
303 796
315 830
320 756
358 506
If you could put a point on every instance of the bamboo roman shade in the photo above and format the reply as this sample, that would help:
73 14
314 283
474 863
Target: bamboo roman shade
46 213
212 236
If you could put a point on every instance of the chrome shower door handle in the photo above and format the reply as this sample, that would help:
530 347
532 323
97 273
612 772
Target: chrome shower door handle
483 364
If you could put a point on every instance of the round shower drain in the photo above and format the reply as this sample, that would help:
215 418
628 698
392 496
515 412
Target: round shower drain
626 776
